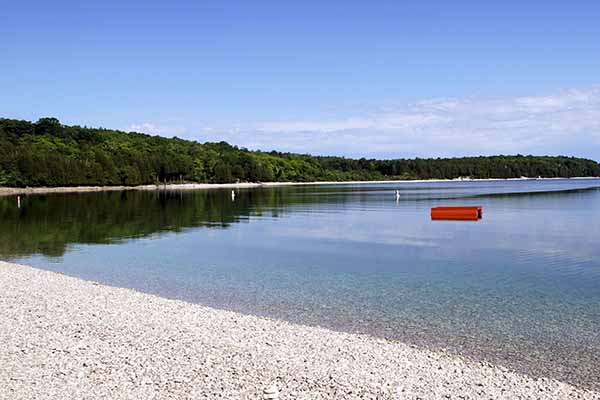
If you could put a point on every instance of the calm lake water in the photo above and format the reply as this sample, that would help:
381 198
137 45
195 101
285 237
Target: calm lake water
520 288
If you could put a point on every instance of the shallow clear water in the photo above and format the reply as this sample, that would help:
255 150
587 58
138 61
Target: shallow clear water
521 287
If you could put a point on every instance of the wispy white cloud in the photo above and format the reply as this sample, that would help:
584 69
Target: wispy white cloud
154 129
381 122
564 122
555 123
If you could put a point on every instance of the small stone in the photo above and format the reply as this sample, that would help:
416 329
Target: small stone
271 393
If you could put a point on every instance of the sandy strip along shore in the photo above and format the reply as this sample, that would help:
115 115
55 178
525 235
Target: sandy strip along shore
8 191
65 338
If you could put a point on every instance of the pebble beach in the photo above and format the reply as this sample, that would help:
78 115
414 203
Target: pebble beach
63 337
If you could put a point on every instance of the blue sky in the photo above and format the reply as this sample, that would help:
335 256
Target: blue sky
375 79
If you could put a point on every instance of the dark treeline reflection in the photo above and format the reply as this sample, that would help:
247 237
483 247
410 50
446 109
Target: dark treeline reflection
46 224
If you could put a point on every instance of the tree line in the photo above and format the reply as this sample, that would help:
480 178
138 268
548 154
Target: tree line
48 153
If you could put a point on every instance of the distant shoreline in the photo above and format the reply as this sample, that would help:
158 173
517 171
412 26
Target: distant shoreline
8 191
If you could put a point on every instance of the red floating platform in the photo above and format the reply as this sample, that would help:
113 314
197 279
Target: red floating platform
466 213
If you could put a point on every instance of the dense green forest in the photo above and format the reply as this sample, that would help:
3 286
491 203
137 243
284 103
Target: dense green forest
47 153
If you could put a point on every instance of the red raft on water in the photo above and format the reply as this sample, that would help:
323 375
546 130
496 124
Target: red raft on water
465 213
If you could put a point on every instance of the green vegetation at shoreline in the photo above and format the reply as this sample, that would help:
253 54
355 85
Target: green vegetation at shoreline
47 153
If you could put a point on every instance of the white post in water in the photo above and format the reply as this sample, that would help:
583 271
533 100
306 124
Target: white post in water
271 393
18 201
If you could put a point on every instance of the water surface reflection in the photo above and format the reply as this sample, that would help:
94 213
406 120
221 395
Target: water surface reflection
520 287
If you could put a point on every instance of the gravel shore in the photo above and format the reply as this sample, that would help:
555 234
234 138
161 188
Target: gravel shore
65 338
